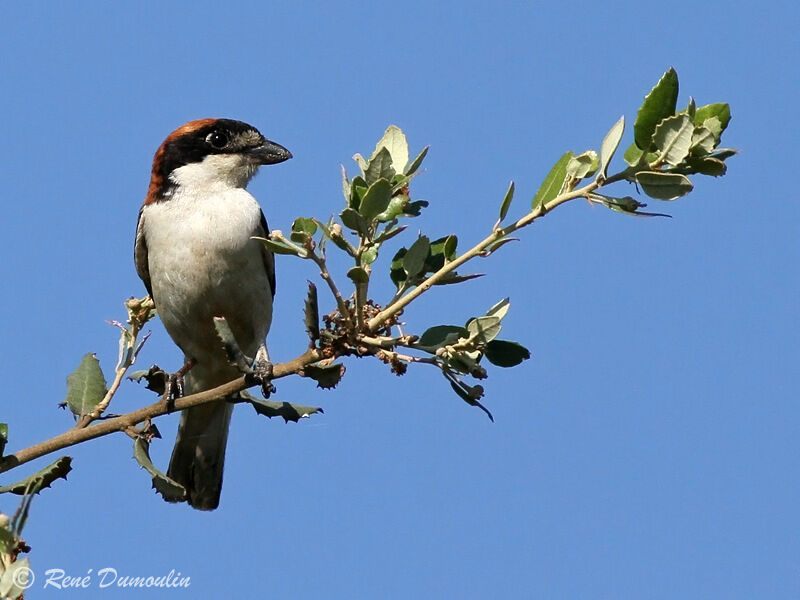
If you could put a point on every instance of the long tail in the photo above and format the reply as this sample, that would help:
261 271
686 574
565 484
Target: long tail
199 453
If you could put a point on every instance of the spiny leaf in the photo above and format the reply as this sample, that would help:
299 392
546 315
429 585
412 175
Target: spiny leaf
703 141
664 186
327 377
658 105
170 490
506 204
441 335
311 313
720 110
706 165
395 143
484 329
379 167
86 386
286 410
673 138
415 257
583 165
506 354
354 221
376 199
552 184
281 247
41 479
415 164
609 146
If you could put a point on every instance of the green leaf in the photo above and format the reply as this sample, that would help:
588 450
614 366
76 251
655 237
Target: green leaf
552 184
376 200
469 393
412 209
703 141
86 386
286 410
499 244
389 233
441 251
396 271
706 165
281 247
3 437
499 310
170 490
379 167
673 138
506 354
354 221
609 146
415 257
311 313
415 164
720 110
582 165
484 329
303 229
327 377
441 335
360 161
691 108
724 153
658 105
369 255
358 275
454 277
395 143
507 201
395 209
664 186
41 479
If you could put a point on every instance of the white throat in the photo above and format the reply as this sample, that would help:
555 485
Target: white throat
215 172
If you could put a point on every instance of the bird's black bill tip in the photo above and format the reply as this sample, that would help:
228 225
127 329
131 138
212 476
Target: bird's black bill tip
270 153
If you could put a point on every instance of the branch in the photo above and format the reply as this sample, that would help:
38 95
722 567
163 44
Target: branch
123 422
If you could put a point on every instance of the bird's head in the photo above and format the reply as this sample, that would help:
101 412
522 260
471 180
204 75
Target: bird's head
210 153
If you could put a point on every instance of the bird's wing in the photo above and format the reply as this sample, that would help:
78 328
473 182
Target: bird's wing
269 257
140 255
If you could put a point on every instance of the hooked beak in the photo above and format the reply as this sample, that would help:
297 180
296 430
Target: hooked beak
269 153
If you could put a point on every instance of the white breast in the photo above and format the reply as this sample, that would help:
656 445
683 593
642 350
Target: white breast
203 264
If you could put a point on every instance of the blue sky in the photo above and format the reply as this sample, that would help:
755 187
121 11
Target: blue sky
649 448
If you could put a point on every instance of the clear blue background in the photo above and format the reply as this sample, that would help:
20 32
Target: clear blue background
650 447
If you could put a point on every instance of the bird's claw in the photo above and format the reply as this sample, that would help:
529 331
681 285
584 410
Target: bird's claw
173 390
261 373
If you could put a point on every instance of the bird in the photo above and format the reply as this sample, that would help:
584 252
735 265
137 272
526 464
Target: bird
195 254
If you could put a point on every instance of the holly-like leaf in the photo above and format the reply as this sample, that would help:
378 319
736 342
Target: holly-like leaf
609 146
484 329
86 386
553 183
506 204
40 480
720 110
499 310
379 167
706 165
417 162
354 221
673 138
311 313
327 377
303 229
657 106
582 165
286 410
395 143
664 186
415 257
703 141
506 354
281 246
376 200
439 336
170 490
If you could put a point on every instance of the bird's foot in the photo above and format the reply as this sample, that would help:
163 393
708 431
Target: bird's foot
174 385
261 373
